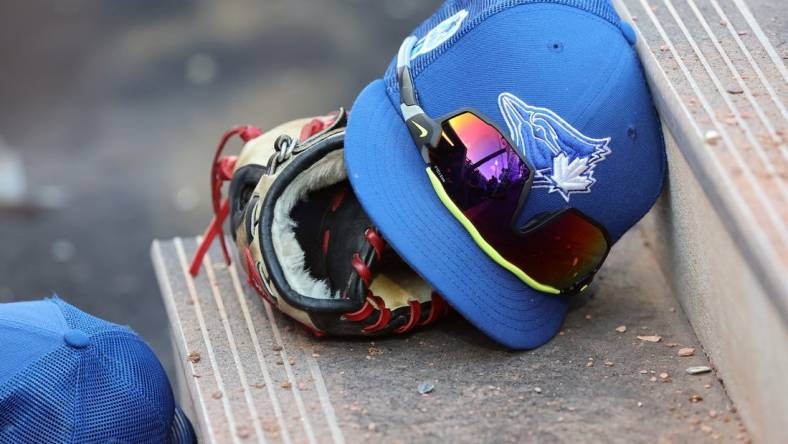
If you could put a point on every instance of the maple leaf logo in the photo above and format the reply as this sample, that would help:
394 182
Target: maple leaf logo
569 176
564 158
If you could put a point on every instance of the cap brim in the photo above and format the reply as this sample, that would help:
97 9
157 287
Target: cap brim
389 177
182 431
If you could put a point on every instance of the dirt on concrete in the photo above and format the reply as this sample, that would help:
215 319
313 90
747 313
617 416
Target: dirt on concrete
591 383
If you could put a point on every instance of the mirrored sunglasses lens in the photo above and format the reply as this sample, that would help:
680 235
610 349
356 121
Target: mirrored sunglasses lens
484 177
477 163
561 252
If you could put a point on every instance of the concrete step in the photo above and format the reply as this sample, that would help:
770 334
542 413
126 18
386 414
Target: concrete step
260 378
720 231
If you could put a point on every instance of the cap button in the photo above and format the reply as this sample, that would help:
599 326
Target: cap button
629 33
76 339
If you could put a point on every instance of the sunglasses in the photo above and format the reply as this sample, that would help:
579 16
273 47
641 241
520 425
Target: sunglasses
484 181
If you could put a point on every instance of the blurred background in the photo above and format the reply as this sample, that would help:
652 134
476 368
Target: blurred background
111 110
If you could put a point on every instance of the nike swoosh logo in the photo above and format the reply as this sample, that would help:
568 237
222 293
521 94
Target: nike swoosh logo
421 128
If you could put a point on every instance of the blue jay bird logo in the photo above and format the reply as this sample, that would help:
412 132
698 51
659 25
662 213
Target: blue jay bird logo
563 157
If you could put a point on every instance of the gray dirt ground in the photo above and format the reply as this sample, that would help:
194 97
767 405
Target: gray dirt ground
597 384
118 106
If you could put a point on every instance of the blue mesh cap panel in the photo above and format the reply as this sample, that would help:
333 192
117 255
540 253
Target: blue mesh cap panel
132 361
124 394
39 404
109 388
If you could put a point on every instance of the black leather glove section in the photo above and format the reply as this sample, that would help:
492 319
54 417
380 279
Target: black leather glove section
331 230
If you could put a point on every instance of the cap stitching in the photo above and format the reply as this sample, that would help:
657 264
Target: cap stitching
614 72
27 327
77 406
57 303
663 173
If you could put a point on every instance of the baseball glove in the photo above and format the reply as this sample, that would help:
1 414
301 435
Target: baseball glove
307 245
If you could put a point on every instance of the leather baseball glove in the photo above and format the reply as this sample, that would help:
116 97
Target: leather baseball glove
307 245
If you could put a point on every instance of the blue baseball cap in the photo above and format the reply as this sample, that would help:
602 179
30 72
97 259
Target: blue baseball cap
69 377
563 79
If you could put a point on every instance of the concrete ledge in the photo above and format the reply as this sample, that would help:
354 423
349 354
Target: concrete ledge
741 331
720 229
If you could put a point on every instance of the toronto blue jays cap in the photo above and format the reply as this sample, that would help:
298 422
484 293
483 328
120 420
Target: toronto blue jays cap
68 377
562 78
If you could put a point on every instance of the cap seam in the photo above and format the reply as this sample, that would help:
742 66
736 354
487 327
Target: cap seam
101 324
20 374
663 173
78 404
57 302
614 72
117 334
26 327
158 417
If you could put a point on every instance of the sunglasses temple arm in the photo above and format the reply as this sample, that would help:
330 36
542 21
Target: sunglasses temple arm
407 93
424 130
